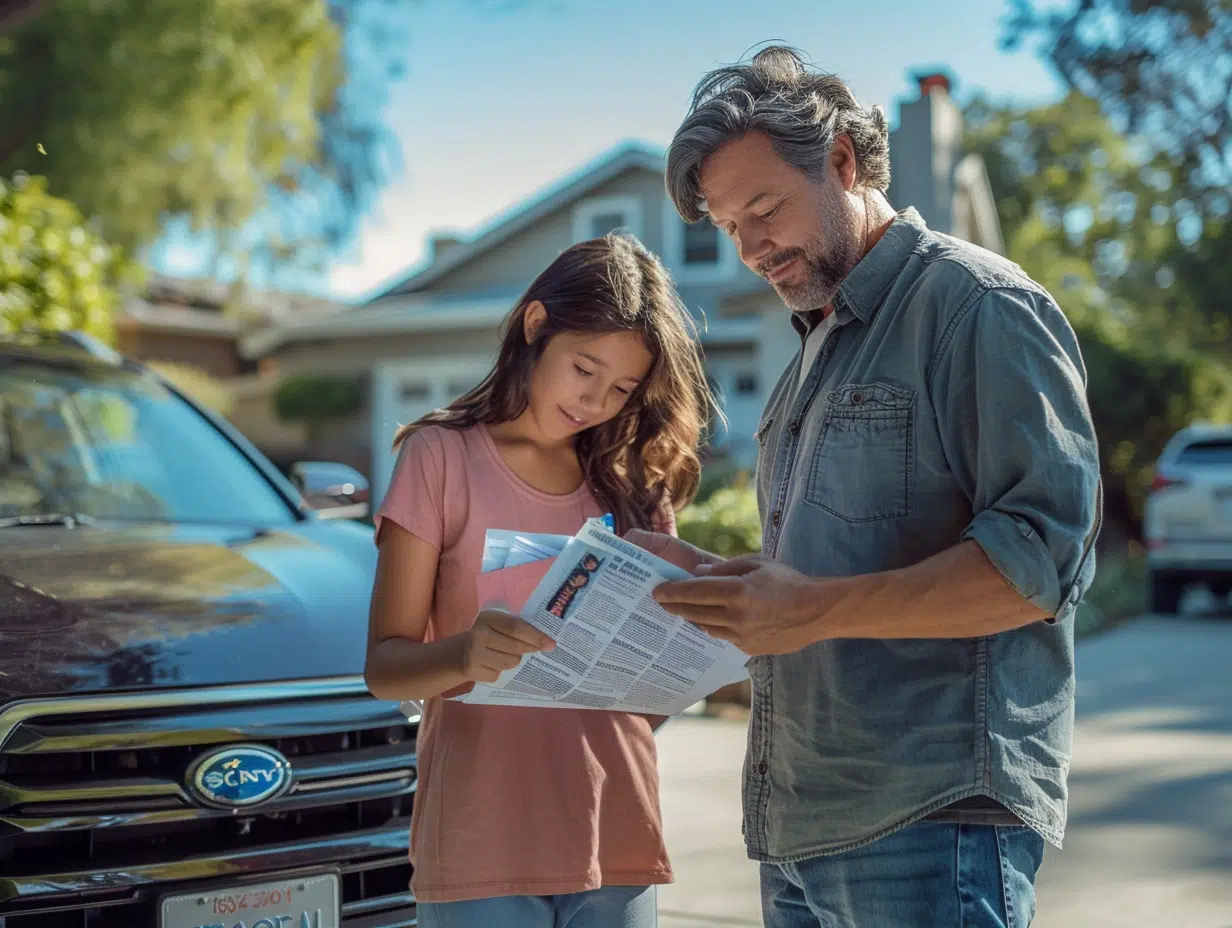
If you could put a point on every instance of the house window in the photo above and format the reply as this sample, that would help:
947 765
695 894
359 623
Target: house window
604 223
597 217
701 243
746 384
415 392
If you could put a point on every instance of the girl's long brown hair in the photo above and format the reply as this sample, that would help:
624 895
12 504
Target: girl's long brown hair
609 284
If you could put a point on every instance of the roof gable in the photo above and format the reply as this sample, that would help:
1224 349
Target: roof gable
603 169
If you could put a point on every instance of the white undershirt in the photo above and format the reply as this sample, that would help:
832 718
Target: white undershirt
812 345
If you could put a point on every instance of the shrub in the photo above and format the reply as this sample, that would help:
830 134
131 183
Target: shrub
726 523
1142 394
55 273
314 400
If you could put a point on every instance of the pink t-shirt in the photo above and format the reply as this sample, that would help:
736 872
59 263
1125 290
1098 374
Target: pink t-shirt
514 801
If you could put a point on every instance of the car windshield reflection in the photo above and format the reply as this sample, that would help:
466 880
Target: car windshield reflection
117 445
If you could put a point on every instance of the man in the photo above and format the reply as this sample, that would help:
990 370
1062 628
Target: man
929 490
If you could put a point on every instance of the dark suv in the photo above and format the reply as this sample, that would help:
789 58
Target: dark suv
185 735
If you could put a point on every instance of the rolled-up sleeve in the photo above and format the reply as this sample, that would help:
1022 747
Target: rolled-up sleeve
1009 388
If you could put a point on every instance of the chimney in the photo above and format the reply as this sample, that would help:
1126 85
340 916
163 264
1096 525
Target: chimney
933 80
925 150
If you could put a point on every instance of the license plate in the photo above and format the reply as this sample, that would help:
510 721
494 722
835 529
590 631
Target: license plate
311 902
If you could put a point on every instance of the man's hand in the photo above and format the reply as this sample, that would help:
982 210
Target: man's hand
759 605
496 642
672 549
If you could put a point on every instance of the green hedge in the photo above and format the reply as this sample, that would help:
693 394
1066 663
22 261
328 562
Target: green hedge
725 522
313 400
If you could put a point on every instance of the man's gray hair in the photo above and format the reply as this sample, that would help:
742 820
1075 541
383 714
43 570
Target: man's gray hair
799 107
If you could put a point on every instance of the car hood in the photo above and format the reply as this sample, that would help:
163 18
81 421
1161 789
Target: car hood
154 606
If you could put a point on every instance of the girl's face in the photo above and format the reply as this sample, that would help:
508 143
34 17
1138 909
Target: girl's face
582 380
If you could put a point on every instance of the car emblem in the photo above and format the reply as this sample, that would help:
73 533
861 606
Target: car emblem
238 776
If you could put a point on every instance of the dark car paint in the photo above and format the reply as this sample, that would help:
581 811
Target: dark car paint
92 608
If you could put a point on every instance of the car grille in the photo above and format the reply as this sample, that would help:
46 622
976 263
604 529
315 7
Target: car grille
96 824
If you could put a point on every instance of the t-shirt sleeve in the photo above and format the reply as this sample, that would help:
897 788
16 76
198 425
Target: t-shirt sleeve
416 494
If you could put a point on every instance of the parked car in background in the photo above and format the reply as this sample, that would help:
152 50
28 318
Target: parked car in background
1188 518
185 736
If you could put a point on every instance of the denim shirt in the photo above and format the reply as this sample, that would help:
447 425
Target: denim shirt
947 403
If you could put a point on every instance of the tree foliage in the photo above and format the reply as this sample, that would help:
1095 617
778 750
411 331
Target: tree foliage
258 121
726 522
55 273
1162 69
315 400
1099 222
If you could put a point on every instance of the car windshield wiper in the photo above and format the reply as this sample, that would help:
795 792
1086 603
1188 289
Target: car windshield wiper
49 518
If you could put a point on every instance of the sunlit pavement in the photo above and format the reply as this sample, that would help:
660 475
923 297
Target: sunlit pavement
1150 836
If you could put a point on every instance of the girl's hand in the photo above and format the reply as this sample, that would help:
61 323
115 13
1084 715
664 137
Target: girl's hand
496 642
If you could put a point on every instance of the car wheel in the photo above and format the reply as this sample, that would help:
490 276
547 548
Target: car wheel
1165 594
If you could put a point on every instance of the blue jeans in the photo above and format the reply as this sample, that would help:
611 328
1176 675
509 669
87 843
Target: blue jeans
930 873
609 907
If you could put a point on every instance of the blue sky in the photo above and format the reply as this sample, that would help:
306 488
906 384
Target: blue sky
498 104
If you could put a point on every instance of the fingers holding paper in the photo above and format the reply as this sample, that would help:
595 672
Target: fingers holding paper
671 549
757 604
497 642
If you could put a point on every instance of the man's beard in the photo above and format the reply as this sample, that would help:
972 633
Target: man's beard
826 266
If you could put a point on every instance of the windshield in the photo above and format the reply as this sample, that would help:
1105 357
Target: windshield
1213 453
112 444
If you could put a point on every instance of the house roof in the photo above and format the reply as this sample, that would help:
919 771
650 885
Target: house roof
200 307
401 315
541 204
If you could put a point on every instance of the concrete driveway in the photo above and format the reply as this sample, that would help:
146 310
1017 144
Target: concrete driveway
1150 834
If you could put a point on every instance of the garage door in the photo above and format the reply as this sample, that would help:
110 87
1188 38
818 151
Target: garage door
404 392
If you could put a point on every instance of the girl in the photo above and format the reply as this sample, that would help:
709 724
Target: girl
535 818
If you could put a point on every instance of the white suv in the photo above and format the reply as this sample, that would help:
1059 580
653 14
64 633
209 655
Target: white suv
1188 518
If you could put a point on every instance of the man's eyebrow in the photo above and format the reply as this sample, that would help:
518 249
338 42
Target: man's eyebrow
753 202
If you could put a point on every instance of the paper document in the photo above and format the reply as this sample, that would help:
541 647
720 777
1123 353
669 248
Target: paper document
616 648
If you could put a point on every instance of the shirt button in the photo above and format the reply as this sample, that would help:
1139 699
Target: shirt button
762 768
857 398
795 428
777 517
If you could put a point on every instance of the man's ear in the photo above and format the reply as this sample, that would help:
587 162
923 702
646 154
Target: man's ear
533 319
843 160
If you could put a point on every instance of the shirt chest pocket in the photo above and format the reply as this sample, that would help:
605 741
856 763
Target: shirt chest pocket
862 466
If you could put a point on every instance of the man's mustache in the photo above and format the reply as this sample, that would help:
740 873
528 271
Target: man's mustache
777 260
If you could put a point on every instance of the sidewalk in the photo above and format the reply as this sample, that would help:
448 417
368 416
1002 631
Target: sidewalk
716 884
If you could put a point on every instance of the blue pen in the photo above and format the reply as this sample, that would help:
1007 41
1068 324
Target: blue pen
609 521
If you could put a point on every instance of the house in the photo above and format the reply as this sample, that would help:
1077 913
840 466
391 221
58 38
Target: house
199 323
434 335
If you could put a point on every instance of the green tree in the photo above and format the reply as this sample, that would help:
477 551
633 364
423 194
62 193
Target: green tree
1162 69
55 273
1091 215
315 400
258 121
1094 218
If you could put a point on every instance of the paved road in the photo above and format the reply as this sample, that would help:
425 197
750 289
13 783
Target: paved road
1150 837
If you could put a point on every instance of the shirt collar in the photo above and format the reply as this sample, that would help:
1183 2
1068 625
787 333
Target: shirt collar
861 293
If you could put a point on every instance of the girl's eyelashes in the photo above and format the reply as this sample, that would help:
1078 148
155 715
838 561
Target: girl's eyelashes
581 370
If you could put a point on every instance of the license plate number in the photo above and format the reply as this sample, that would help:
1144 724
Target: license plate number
305 903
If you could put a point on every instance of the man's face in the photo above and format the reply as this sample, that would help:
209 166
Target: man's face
799 234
